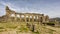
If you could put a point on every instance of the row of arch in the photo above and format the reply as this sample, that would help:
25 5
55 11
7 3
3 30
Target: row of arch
22 16
28 17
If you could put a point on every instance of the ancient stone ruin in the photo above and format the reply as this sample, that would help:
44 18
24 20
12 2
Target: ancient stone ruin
27 17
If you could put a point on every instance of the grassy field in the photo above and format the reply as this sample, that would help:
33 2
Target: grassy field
16 26
21 27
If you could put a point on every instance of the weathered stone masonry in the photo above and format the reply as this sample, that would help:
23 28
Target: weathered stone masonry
27 17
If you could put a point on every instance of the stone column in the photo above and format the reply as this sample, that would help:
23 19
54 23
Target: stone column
15 17
36 18
20 18
47 18
43 18
56 23
29 17
32 18
39 19
25 18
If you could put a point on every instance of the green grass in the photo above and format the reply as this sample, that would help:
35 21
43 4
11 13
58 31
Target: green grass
1 30
7 25
36 33
1 27
22 27
14 25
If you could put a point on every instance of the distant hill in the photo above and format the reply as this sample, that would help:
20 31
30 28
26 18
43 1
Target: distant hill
57 18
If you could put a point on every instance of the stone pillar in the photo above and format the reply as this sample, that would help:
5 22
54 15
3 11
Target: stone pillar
15 17
47 18
36 18
20 18
57 23
25 18
33 28
29 17
43 18
32 18
39 19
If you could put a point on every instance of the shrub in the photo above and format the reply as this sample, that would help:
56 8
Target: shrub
1 27
51 24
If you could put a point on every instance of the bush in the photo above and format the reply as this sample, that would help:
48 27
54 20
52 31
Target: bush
1 27
51 24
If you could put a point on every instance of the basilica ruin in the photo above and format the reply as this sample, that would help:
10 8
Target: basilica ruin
26 17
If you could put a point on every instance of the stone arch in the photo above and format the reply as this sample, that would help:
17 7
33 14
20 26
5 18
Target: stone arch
27 18
12 15
34 18
22 18
18 16
30 16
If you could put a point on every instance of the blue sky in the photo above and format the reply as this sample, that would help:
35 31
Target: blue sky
47 7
